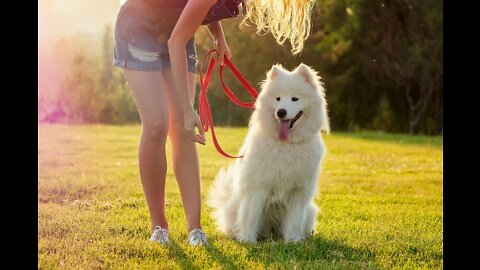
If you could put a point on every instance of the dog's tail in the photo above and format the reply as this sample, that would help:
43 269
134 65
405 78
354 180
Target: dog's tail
221 200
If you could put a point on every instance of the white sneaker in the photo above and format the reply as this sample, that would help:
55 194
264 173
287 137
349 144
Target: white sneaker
160 235
197 237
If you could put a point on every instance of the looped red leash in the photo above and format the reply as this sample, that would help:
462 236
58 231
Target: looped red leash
203 104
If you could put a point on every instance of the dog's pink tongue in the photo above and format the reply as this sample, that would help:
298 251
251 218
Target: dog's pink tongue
284 128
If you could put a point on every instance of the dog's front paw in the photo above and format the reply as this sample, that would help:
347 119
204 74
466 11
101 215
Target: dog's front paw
247 239
294 238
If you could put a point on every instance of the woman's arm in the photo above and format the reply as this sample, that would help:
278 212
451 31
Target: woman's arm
188 23
216 30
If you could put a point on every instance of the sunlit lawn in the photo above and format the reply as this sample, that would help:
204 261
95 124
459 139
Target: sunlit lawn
380 195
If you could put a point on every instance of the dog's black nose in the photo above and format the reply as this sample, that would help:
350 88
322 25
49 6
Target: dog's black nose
281 113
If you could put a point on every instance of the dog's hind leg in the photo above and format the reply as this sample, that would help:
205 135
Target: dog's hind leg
293 224
229 217
310 218
220 199
250 215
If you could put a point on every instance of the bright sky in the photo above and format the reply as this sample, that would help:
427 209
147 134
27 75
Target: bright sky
65 17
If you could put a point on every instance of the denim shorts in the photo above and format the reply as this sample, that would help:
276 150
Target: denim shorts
141 35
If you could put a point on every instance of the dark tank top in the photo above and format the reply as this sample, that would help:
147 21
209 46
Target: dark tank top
155 9
152 8
166 3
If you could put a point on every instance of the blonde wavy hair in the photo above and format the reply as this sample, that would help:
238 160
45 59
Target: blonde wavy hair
285 19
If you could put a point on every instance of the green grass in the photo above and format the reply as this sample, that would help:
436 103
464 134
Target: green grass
380 195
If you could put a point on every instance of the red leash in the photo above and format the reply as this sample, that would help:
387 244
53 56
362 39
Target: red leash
203 104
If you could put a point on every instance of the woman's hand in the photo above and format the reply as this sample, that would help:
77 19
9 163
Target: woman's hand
216 30
190 120
222 50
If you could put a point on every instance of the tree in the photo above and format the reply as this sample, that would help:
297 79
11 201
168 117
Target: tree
410 43
372 50
78 96
94 91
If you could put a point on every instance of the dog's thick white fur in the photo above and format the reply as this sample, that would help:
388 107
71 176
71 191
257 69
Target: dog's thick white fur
270 191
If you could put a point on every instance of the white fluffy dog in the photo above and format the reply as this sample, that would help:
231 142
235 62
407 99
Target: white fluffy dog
270 191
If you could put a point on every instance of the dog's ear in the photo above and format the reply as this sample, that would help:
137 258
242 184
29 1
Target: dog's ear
311 76
308 73
275 71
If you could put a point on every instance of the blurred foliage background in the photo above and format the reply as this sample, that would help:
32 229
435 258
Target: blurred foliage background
381 62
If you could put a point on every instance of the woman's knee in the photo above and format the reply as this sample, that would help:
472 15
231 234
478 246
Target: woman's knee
157 131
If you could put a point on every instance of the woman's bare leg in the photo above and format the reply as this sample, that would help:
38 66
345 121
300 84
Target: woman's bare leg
184 153
149 93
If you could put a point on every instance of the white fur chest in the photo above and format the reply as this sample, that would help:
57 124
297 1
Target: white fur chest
279 166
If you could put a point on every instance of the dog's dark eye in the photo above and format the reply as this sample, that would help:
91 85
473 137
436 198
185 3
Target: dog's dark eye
294 98
278 98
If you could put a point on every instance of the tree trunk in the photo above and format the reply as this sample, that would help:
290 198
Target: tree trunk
417 109
414 127
411 109
439 112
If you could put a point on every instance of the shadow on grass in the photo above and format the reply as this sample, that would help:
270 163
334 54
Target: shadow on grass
176 252
221 258
435 141
313 253
316 252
